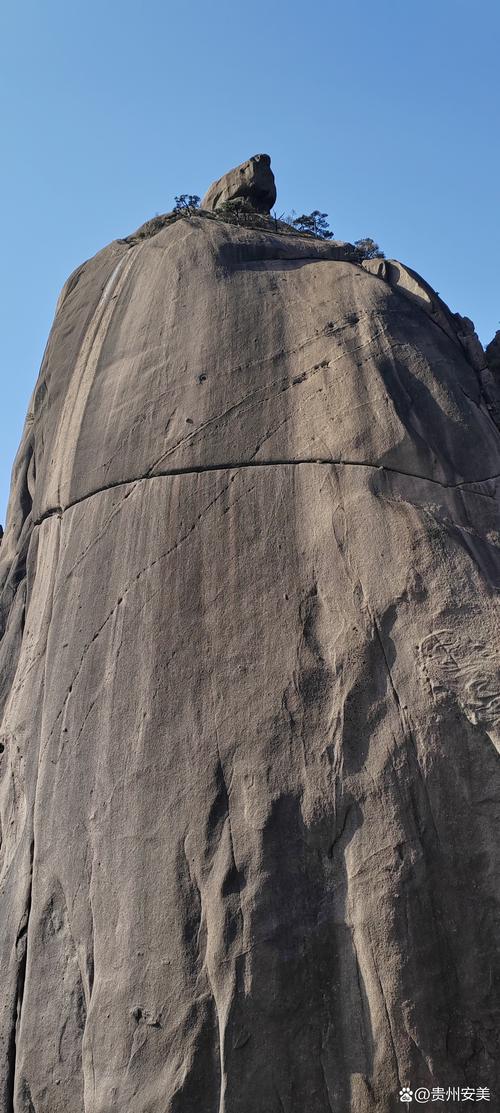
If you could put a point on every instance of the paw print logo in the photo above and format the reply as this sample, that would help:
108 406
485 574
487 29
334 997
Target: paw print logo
406 1094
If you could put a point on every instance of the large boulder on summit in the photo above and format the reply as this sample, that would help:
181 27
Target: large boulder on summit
253 182
249 689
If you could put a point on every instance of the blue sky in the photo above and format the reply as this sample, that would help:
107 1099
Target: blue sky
383 113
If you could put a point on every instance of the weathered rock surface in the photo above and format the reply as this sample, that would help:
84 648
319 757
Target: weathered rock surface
250 694
252 181
493 355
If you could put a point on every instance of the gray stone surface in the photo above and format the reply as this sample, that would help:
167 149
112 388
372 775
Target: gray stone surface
250 695
493 355
252 181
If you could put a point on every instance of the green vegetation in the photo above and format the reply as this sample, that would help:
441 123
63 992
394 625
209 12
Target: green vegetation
186 201
239 210
368 249
315 223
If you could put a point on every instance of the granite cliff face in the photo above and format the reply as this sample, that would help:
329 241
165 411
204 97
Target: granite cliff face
493 356
250 695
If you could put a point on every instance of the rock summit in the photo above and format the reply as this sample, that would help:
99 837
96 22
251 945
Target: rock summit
253 182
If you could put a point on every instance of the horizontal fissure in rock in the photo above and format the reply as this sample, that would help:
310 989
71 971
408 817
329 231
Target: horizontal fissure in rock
265 464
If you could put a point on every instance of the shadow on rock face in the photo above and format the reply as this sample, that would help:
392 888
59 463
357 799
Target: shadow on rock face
301 985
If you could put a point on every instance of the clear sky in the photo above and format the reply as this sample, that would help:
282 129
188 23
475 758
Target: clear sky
383 113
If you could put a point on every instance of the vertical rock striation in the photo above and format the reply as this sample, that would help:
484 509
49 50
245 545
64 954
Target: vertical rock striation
249 684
